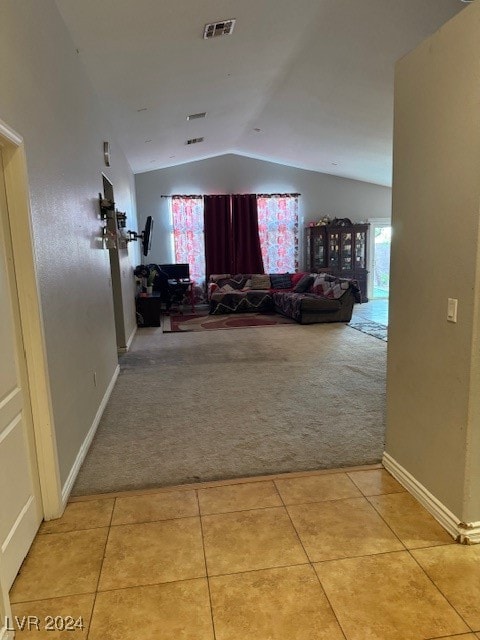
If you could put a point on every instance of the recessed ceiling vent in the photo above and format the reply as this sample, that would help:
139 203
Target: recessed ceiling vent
197 116
194 141
215 29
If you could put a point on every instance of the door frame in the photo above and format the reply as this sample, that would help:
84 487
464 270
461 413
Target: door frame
18 211
374 222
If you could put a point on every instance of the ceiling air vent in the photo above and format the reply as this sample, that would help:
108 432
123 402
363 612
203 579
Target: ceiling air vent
197 116
215 29
194 140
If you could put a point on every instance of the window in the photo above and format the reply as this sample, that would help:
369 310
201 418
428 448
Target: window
187 217
278 230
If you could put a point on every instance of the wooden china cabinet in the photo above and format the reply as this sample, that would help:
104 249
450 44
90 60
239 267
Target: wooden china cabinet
339 248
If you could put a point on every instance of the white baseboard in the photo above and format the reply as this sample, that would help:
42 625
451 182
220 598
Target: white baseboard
132 335
463 532
129 341
67 488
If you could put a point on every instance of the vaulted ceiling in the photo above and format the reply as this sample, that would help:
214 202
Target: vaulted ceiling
306 83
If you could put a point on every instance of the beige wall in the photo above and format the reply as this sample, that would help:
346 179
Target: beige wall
46 98
321 194
433 365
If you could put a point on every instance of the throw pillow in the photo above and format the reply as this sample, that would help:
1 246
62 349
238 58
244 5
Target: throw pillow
296 277
238 281
320 290
247 285
281 280
319 279
303 284
215 277
226 288
260 281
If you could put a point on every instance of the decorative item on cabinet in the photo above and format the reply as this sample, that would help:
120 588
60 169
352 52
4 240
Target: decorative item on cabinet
339 248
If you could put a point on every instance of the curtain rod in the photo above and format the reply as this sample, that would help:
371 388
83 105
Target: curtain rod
260 195
176 195
278 195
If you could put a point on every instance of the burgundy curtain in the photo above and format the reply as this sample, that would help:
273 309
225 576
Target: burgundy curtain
218 235
247 253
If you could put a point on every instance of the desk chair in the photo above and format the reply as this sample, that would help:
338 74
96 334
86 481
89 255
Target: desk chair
171 293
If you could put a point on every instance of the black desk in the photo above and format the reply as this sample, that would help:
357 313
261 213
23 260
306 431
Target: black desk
148 310
149 307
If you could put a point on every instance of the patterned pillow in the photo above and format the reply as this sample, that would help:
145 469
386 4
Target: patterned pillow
303 284
320 290
319 279
247 285
236 282
226 288
260 281
281 280
215 277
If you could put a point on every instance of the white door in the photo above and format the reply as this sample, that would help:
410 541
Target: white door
20 505
379 263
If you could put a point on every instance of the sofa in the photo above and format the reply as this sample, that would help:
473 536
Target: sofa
304 297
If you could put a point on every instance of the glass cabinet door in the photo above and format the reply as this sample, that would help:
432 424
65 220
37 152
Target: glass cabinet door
347 251
360 249
316 248
334 250
318 252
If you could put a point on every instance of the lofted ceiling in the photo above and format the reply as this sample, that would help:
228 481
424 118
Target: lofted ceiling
306 83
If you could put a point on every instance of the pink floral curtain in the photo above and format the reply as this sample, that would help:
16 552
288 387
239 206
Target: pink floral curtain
187 216
278 230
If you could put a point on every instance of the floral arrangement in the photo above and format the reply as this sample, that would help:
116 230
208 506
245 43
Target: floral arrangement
321 223
145 275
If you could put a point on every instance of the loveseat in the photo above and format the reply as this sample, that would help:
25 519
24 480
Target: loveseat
307 298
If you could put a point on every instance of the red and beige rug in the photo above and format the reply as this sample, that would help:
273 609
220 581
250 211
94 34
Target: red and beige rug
205 322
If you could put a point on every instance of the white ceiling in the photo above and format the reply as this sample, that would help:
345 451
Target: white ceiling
315 76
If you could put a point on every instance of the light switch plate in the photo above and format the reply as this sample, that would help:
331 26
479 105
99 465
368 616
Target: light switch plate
452 309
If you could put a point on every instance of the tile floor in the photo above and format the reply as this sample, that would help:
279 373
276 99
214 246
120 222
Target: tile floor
322 556
375 310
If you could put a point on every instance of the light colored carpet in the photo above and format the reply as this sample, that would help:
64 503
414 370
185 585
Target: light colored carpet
223 404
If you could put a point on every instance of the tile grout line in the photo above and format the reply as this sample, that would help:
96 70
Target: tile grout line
409 551
455 635
440 591
206 566
373 495
57 533
101 568
434 546
280 566
132 586
385 521
310 563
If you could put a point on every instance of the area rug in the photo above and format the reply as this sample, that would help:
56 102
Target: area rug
210 405
374 329
205 322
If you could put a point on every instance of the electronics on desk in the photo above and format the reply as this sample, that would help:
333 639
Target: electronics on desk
177 272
